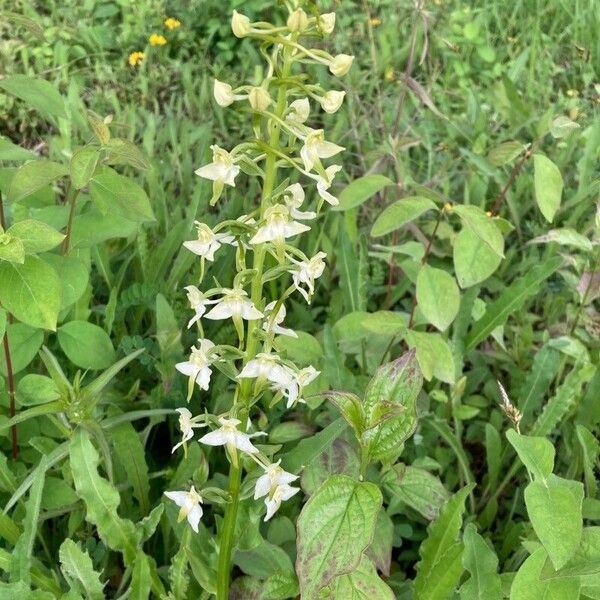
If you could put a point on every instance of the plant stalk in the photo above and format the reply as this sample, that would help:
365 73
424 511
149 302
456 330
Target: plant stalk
73 205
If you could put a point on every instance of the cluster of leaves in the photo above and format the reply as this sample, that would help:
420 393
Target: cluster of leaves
463 152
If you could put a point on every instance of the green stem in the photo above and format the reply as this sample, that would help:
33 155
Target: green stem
252 338
73 201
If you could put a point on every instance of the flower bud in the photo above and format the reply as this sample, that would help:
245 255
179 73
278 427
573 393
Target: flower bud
259 98
240 24
297 21
332 101
341 64
223 93
327 22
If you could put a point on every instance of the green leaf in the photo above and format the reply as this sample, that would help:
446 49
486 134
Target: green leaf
32 26
380 550
11 248
438 297
438 571
37 93
280 586
36 236
360 190
114 194
334 528
264 560
434 355
474 261
564 236
480 560
536 453
83 165
78 569
31 292
36 389
562 127
21 560
3 320
141 579
92 227
10 151
348 268
511 299
24 343
361 584
482 226
400 213
350 407
34 176
548 183
504 153
123 152
86 345
554 508
101 498
74 275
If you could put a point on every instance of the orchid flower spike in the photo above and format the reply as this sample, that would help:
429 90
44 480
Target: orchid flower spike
228 435
278 226
275 484
197 367
273 322
294 391
208 241
316 147
306 272
187 426
190 506
234 304
266 366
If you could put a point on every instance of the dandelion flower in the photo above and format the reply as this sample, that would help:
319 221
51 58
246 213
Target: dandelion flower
157 40
171 23
135 58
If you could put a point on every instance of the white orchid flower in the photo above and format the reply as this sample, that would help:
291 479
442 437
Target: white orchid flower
234 304
259 98
208 241
228 435
197 368
266 366
198 302
332 101
221 171
298 112
280 494
294 391
341 64
293 196
273 479
316 147
324 183
297 21
306 273
187 426
327 22
190 506
240 25
273 323
277 226
223 93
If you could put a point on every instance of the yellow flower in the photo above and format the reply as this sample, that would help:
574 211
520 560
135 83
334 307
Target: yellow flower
374 21
572 93
172 23
135 58
157 40
389 74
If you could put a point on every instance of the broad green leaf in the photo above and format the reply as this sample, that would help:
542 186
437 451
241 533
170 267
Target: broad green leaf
21 560
37 93
548 183
480 560
562 127
416 488
78 569
437 296
280 586
74 275
536 453
114 194
482 226
361 584
564 236
554 508
31 292
24 343
10 151
303 350
350 407
400 213
380 550
474 261
264 560
511 299
123 152
385 322
36 389
438 572
11 248
34 176
348 267
82 167
36 236
434 355
29 24
362 189
101 498
504 153
92 227
86 345
334 528
493 453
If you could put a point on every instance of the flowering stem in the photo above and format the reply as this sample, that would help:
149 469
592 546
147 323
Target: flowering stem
228 531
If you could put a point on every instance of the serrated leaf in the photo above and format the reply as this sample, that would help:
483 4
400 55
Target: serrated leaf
438 297
480 560
37 93
360 190
361 584
548 184
400 213
78 569
334 528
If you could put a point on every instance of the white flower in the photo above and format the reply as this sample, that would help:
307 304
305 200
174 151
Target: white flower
240 24
234 304
222 169
297 21
198 302
295 389
293 196
273 478
190 506
306 273
197 368
208 241
323 184
316 147
280 494
332 101
327 22
266 366
299 111
187 426
229 435
259 98
277 226
223 93
272 324
341 64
